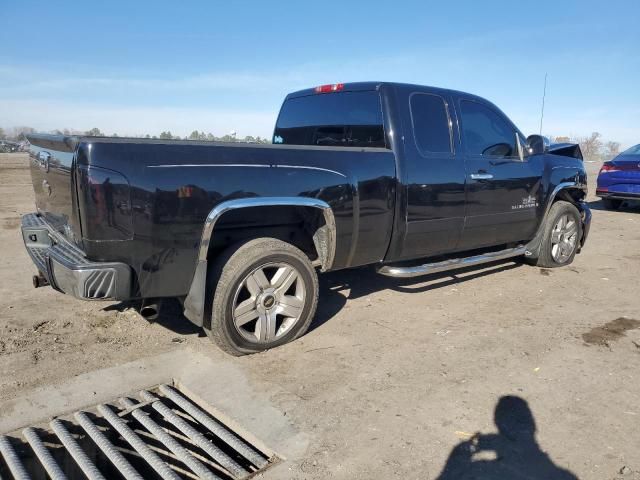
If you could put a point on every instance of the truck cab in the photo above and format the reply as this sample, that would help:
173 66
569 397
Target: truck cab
466 176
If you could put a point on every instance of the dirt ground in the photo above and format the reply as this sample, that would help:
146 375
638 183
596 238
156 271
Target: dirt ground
489 371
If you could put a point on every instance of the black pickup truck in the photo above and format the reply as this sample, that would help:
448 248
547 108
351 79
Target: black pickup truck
408 178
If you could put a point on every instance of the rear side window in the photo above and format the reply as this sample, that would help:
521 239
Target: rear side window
345 119
486 132
431 126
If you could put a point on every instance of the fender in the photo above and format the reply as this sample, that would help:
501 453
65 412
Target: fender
533 246
194 303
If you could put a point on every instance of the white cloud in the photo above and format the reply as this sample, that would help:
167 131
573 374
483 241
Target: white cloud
49 115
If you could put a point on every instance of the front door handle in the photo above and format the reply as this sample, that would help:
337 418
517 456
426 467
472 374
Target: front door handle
481 176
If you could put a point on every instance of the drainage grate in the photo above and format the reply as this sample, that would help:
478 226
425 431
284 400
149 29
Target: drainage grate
163 434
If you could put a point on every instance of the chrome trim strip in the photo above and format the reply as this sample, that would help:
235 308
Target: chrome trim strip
319 169
248 165
229 205
427 268
252 165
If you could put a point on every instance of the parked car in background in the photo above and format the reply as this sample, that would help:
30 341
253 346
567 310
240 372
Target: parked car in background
8 147
619 179
411 179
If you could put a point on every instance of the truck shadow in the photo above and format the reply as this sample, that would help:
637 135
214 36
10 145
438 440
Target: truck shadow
336 288
512 452
170 316
627 206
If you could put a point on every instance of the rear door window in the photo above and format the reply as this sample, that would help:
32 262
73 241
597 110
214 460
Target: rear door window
486 132
431 125
344 119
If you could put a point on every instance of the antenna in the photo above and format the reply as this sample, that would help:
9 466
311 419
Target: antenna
544 94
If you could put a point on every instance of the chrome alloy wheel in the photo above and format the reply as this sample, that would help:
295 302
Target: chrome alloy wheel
564 238
268 302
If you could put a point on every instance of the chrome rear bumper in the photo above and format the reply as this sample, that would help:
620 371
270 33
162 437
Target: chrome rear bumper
66 267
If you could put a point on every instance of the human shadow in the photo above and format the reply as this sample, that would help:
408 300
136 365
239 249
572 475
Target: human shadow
336 288
512 453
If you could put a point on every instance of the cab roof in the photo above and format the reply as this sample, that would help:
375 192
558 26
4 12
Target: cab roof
364 86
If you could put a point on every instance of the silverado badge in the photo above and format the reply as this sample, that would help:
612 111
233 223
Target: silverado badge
527 202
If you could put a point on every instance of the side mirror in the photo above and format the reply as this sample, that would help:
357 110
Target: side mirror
537 144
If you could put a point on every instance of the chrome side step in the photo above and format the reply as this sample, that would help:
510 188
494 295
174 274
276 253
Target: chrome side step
427 268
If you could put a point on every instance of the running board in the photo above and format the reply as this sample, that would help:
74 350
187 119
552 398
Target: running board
427 268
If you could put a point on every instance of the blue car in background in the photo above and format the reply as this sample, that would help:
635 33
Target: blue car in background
619 179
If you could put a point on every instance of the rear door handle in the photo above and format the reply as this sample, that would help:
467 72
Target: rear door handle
481 176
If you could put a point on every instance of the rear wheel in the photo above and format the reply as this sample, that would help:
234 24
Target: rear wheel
611 203
265 295
561 236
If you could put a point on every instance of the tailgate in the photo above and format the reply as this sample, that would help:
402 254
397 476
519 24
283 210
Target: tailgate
52 174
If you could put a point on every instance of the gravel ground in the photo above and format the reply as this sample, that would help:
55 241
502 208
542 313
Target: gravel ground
509 371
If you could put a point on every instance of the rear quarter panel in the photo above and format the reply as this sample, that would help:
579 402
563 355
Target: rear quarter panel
174 186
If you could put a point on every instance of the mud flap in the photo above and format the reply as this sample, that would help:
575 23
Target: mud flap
195 302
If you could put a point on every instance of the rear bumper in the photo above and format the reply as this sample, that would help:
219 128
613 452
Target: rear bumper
66 267
618 195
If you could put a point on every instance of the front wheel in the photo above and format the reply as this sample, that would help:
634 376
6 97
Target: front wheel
265 295
561 236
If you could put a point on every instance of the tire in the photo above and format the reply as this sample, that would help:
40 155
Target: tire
561 236
265 295
611 203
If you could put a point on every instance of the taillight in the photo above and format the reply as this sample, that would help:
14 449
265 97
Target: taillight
335 87
609 167
104 198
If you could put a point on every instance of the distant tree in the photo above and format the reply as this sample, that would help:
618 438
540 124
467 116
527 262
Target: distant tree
166 135
562 139
591 146
194 135
94 132
611 149
19 133
2 133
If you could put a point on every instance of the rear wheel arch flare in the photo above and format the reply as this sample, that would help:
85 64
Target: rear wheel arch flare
323 241
311 218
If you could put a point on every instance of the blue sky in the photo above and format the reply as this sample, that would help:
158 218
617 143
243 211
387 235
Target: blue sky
142 67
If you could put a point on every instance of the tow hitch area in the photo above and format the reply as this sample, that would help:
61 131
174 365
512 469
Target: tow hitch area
160 434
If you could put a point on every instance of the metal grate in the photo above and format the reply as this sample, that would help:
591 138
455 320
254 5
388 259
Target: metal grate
162 434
